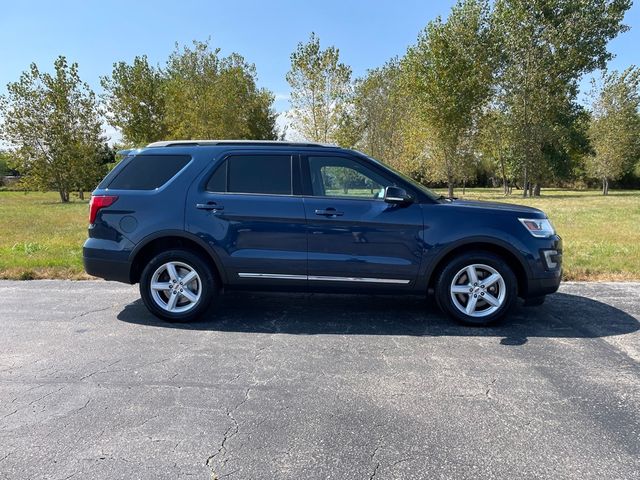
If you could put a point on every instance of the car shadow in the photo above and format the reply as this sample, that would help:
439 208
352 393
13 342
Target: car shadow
563 316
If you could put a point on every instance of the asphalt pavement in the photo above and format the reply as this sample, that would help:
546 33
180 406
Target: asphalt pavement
280 386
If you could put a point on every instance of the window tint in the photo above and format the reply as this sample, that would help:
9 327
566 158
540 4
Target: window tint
269 174
344 177
218 181
148 172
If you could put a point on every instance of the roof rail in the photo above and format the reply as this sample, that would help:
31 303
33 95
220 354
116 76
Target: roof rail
273 143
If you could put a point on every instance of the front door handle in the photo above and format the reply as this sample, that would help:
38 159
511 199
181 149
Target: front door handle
329 212
209 206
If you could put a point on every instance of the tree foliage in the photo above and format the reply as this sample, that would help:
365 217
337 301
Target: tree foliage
320 90
54 126
615 127
448 74
198 94
135 101
546 46
210 96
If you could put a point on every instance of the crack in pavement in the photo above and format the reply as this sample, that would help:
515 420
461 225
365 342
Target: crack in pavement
377 465
233 429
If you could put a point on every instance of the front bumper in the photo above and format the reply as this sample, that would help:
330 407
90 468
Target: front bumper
546 269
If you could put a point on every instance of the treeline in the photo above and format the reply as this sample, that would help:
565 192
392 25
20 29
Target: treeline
54 122
487 96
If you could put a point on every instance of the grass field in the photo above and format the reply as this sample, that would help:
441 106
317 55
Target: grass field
42 238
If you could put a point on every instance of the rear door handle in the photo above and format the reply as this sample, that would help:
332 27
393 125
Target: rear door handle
209 206
329 212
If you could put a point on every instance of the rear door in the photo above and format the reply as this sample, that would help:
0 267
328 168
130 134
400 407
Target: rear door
247 211
356 240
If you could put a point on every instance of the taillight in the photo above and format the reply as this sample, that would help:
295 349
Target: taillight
97 202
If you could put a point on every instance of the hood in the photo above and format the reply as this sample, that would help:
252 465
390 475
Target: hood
499 207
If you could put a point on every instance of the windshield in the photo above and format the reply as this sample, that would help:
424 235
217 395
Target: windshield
418 186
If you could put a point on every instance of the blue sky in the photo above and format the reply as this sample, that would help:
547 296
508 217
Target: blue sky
98 33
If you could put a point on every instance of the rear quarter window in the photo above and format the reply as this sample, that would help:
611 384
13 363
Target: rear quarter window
148 172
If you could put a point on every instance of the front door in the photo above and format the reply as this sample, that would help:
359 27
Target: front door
246 211
356 239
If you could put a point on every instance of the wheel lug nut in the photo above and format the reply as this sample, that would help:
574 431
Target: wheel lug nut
482 293
471 289
475 284
475 296
481 286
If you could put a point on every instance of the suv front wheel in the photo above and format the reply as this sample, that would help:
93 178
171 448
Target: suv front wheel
177 286
476 288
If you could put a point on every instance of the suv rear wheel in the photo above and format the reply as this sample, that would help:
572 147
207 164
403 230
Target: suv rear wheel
476 288
177 286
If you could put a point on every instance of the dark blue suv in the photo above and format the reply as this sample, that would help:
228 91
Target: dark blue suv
186 219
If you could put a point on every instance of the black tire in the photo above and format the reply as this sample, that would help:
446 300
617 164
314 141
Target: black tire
454 267
207 283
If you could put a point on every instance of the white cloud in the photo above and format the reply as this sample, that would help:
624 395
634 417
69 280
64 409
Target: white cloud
280 96
113 134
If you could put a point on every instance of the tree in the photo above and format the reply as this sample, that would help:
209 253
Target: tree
615 127
449 74
135 100
53 124
5 164
320 90
209 96
379 110
546 46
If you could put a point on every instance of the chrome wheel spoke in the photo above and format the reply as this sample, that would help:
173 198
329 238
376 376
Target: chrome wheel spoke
173 300
189 295
160 286
189 277
461 289
472 274
471 304
171 270
491 300
491 279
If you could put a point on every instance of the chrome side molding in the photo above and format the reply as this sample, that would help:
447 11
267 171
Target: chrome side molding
323 278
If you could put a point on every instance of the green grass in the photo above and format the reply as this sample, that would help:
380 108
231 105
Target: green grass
42 238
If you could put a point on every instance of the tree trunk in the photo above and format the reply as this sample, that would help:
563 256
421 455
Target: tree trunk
536 190
64 195
505 187
605 186
525 184
81 194
450 186
464 187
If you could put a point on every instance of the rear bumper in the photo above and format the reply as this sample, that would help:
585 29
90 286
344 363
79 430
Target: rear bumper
107 269
107 259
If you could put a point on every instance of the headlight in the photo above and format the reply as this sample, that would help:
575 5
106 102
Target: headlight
538 227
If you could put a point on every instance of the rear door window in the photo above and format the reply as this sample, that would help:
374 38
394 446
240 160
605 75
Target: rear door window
260 174
148 172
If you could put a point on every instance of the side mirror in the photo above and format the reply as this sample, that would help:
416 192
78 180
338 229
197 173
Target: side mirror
397 196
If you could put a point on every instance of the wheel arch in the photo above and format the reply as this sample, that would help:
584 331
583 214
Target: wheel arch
510 255
162 241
